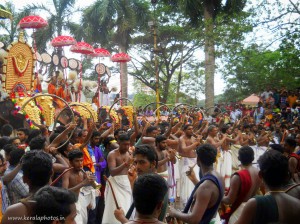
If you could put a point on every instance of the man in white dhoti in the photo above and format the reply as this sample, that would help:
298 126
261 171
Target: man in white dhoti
226 154
166 161
77 181
118 161
187 146
213 139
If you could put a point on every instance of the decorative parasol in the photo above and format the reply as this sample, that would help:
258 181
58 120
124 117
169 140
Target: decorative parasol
122 58
100 52
82 48
32 22
62 41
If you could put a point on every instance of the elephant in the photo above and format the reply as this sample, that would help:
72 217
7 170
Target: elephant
8 115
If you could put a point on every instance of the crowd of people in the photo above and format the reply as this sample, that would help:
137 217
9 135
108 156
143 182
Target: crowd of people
238 165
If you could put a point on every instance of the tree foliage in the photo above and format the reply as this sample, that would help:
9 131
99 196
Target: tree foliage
176 48
254 69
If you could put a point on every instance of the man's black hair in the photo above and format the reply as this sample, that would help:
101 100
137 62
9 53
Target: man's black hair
11 140
186 126
159 139
53 136
63 147
123 137
37 167
74 154
80 133
96 134
2 158
148 190
15 156
277 147
8 148
53 202
207 154
274 168
6 130
24 130
291 142
147 151
224 128
106 141
33 134
3 142
37 143
246 155
151 129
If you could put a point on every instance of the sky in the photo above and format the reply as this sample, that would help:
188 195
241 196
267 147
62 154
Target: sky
219 82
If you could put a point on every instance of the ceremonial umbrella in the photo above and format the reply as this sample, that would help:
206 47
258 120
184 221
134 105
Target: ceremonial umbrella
100 69
82 48
33 22
62 41
122 58
100 52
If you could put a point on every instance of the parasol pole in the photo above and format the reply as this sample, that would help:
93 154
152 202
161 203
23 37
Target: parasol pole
80 81
99 76
121 103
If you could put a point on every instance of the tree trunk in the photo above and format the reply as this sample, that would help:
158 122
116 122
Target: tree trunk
179 79
209 54
165 92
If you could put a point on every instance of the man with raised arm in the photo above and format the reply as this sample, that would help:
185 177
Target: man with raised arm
187 149
118 162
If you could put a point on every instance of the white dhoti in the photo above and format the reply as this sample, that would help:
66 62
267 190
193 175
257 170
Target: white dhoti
105 99
226 167
122 190
173 176
186 185
164 174
86 197
235 154
258 151
236 214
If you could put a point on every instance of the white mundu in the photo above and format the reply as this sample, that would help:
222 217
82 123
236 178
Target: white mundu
122 190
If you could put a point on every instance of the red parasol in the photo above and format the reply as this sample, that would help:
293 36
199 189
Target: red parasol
120 57
62 41
33 22
82 48
100 52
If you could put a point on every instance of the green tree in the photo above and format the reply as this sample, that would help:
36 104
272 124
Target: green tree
254 69
142 99
176 47
279 19
205 12
10 26
112 23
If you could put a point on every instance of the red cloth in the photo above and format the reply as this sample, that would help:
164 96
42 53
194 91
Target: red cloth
245 186
298 159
